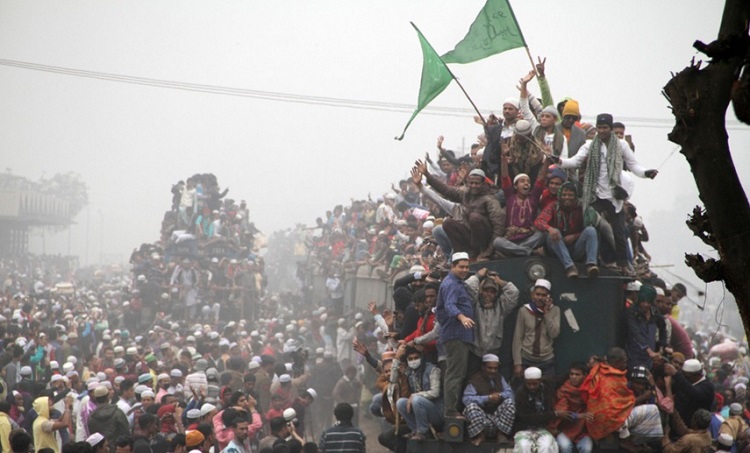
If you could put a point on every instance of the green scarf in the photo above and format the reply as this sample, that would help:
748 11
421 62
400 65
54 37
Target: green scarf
614 167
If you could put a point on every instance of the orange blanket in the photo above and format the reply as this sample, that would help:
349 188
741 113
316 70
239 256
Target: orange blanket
606 394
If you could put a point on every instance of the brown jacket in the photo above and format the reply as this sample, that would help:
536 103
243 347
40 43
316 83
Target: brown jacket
484 204
692 442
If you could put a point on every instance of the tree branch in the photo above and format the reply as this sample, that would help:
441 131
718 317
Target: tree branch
700 225
709 270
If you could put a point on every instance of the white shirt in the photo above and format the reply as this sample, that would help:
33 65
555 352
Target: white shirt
603 190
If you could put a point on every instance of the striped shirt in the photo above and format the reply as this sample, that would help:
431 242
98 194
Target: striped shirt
342 438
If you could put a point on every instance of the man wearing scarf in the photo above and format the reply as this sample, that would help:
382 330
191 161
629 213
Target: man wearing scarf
537 326
606 157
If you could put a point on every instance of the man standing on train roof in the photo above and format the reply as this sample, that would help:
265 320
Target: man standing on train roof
455 313
537 326
606 156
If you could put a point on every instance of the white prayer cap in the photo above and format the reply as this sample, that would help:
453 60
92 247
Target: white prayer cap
289 414
253 365
490 358
67 367
193 413
285 378
512 101
94 439
659 291
726 439
312 393
477 172
532 373
458 256
735 409
692 366
175 373
148 394
206 408
543 284
416 268
634 286
519 176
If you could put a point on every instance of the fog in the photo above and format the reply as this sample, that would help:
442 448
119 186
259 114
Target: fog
294 158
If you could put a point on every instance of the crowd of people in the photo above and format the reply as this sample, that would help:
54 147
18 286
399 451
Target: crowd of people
190 353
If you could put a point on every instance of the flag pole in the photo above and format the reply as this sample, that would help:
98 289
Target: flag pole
465 93
531 60
525 46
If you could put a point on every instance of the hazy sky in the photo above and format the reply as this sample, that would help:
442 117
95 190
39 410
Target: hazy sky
294 160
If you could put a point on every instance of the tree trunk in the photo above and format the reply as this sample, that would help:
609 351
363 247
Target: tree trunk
699 99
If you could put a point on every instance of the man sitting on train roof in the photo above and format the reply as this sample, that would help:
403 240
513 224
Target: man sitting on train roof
521 206
537 326
483 217
535 409
424 406
490 407
567 237
494 299
612 404
571 410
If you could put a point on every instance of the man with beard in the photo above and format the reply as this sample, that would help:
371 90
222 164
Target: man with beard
535 409
483 217
494 299
566 236
490 407
496 132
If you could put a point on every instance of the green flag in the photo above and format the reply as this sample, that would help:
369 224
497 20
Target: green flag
494 30
435 78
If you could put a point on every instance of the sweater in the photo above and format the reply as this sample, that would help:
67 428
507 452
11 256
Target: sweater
534 335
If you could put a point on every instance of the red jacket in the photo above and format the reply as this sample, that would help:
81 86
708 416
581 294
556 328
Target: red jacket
424 325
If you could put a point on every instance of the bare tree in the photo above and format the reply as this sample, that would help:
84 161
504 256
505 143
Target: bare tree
699 98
